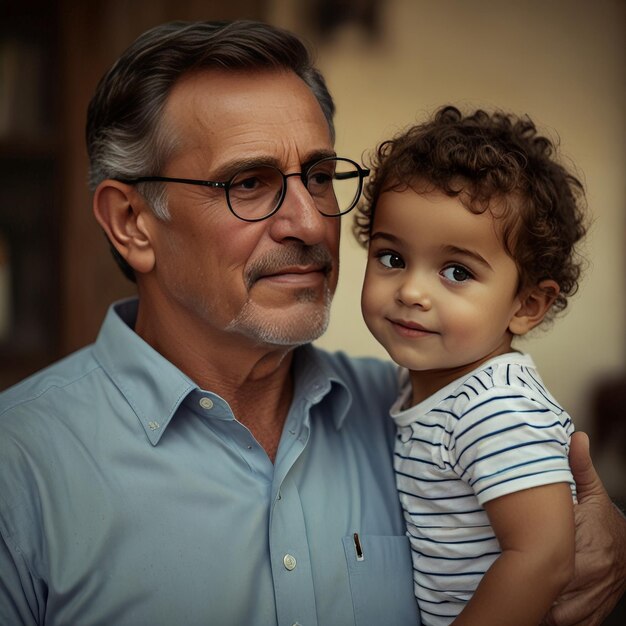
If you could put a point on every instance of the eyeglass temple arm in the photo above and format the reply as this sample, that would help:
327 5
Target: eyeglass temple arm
166 179
346 175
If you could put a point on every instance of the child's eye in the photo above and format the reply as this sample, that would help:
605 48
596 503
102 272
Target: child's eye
456 274
390 259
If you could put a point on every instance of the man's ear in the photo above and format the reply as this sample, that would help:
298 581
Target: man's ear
124 217
534 304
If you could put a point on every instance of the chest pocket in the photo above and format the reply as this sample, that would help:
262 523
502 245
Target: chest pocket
381 580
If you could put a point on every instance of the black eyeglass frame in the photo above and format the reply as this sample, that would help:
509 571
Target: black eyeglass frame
361 172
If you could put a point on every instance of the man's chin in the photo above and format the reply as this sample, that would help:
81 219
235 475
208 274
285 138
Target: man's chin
298 324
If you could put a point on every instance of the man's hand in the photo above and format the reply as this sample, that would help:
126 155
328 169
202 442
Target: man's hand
600 568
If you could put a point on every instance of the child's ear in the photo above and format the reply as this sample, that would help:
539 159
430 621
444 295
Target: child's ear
125 218
534 304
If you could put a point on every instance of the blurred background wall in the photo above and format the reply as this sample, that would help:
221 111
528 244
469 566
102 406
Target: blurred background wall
563 62
388 63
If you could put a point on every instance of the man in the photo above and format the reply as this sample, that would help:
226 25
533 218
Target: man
201 462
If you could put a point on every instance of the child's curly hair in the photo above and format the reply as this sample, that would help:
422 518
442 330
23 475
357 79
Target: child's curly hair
486 157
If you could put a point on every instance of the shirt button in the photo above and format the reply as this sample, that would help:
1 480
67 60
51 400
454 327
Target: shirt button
289 562
206 403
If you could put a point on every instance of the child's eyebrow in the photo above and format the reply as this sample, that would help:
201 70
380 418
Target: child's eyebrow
470 253
383 235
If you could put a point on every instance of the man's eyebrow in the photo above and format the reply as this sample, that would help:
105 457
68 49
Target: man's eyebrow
316 155
229 169
466 252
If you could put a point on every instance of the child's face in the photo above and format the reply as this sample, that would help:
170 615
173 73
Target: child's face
440 290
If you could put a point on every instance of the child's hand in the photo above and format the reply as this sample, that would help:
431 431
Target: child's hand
600 566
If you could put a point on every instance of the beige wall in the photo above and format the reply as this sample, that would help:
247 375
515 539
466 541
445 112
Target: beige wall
560 61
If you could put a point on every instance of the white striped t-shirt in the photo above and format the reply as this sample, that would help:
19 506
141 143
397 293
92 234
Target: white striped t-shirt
492 432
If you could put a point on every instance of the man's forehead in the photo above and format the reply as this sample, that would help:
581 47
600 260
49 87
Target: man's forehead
239 92
246 115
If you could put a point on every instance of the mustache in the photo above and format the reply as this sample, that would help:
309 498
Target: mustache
294 254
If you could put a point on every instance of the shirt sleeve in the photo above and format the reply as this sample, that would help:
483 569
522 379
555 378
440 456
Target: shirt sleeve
19 592
506 441
22 594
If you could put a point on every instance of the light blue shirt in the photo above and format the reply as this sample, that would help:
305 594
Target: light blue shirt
129 496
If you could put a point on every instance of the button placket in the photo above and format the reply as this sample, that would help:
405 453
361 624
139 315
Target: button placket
295 597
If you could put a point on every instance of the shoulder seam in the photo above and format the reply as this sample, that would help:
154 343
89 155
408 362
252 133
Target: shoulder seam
32 398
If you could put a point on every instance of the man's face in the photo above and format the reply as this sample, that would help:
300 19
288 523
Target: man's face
270 281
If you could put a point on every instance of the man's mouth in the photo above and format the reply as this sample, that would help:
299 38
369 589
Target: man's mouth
293 264
296 275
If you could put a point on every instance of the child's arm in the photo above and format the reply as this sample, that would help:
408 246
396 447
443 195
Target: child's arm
535 529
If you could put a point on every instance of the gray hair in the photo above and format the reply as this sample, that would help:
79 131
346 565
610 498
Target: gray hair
126 137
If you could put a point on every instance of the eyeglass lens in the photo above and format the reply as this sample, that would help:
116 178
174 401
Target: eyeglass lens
334 185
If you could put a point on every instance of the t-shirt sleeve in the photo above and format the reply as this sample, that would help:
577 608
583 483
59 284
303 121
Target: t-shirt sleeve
506 442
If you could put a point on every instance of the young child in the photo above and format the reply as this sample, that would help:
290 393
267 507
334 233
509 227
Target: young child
471 226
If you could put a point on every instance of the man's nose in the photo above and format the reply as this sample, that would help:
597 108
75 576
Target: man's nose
298 217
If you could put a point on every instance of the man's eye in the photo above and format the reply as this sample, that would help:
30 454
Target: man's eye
319 183
456 274
319 178
251 182
390 259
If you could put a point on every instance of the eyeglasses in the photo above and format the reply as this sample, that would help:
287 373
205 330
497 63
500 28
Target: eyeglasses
256 193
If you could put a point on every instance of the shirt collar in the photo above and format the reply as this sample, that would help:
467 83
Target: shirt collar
152 386
315 379
155 388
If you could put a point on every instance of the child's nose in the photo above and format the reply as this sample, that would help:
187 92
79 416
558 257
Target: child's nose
414 292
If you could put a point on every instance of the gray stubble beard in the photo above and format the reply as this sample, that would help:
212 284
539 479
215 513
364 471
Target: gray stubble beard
255 322
258 323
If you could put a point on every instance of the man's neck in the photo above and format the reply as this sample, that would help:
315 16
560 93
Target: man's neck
255 380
